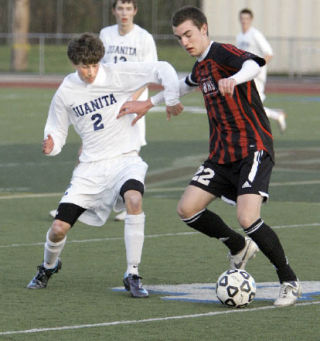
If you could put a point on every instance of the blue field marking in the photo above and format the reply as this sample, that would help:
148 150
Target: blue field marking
205 292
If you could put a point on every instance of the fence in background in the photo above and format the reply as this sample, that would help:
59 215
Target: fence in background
295 57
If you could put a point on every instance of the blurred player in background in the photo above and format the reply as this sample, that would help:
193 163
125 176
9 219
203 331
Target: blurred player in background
241 155
126 41
110 172
252 40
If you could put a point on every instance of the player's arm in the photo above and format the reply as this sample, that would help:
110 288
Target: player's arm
161 73
264 46
248 71
56 129
138 93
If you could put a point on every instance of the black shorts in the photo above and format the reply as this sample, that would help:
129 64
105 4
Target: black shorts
250 175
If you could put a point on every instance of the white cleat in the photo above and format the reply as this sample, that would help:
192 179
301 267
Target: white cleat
240 260
289 293
53 213
121 216
282 120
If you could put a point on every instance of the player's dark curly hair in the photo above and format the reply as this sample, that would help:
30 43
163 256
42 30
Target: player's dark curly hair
133 2
86 49
189 13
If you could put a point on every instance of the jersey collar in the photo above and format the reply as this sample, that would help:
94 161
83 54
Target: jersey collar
204 54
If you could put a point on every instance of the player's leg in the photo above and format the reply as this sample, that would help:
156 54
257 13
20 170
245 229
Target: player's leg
205 186
55 240
278 115
274 114
132 191
256 175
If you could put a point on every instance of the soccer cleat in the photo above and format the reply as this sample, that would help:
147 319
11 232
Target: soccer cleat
40 280
53 213
289 293
282 120
240 260
121 216
133 284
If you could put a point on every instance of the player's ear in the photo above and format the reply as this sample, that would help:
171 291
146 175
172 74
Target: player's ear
204 29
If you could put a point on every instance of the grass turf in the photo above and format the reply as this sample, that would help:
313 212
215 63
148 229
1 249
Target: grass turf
82 292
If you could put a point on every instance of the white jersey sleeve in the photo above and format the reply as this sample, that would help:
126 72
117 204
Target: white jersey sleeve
57 124
157 72
149 49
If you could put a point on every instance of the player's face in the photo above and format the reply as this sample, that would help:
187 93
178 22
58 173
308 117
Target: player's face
87 73
245 21
194 40
124 13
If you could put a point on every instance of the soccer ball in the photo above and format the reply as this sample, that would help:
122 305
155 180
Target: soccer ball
235 288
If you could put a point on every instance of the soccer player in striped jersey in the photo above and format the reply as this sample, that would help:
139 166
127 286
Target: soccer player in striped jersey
110 173
241 157
252 40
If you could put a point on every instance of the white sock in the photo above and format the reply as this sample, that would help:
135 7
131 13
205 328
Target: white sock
52 251
273 114
133 238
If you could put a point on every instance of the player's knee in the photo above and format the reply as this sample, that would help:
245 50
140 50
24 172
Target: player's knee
58 230
184 211
246 220
133 201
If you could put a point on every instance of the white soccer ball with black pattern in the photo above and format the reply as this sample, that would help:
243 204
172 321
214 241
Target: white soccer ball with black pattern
236 288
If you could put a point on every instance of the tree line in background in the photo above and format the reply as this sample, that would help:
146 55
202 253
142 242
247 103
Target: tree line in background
72 16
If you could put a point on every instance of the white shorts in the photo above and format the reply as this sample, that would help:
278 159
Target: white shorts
96 186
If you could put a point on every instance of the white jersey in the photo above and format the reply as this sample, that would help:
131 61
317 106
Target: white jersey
255 42
92 108
136 46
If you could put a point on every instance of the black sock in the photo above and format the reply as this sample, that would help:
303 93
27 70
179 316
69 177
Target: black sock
212 225
269 243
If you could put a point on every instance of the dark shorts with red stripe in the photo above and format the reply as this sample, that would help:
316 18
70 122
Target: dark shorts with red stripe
250 175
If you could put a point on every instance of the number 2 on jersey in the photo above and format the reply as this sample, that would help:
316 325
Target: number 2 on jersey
97 125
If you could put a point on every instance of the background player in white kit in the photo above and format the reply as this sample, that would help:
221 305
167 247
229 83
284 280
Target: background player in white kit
252 40
128 42
110 172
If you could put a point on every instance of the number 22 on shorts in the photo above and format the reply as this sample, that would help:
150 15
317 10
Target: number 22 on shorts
203 175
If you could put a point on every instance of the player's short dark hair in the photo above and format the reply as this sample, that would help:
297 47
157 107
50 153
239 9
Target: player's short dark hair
246 11
189 13
86 49
134 3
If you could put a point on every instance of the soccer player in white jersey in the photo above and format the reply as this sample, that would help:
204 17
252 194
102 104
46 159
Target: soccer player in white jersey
127 41
110 173
252 40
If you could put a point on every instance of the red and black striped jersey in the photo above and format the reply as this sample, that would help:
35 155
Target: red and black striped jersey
238 123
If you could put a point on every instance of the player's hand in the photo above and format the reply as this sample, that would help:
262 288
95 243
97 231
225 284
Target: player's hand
140 108
226 86
174 110
47 145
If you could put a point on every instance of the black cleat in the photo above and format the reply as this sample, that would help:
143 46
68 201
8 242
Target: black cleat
40 280
133 284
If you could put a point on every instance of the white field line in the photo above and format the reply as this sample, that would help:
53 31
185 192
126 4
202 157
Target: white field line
160 235
150 320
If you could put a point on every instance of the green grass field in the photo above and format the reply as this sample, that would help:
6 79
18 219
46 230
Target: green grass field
80 302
